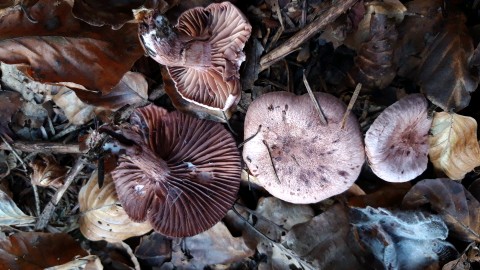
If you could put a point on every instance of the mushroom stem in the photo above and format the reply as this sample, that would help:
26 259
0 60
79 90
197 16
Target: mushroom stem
323 119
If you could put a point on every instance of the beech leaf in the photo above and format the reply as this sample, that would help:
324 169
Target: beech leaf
10 214
457 207
62 49
454 148
36 250
103 218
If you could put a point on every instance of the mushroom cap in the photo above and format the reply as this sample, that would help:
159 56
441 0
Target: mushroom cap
397 142
227 30
180 173
313 162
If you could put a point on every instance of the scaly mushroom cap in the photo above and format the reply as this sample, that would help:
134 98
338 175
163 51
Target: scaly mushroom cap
180 173
203 53
294 156
397 142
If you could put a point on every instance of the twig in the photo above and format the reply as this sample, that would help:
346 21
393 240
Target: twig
9 147
271 161
335 10
323 119
43 147
50 208
353 99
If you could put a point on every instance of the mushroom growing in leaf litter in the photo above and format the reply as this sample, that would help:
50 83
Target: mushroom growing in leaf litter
397 142
203 52
294 156
178 172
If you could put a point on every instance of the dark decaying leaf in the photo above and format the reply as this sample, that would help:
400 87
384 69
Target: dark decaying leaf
100 13
457 207
387 196
395 237
444 74
154 249
61 49
10 103
374 68
323 241
47 172
35 250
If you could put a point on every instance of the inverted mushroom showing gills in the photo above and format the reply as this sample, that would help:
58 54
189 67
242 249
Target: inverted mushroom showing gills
178 172
294 156
397 142
203 53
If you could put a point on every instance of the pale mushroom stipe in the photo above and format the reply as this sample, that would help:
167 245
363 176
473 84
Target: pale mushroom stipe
202 53
294 156
397 142
180 173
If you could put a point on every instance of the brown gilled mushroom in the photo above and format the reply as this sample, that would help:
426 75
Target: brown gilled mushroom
397 142
294 156
203 52
178 172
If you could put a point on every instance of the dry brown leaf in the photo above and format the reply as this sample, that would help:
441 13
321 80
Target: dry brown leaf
214 246
47 171
62 49
36 250
102 216
76 111
90 262
457 207
454 148
387 196
154 249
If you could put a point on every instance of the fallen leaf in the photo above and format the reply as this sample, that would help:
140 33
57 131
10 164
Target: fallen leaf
474 189
457 207
282 213
90 262
389 195
36 250
323 241
214 246
403 240
454 148
154 249
76 111
10 214
61 49
47 171
10 103
444 72
99 13
102 216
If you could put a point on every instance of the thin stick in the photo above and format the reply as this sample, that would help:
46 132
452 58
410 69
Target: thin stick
335 10
353 99
43 147
50 208
271 161
9 147
323 119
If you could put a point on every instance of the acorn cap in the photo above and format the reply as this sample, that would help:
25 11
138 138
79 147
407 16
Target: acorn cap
178 172
397 142
294 156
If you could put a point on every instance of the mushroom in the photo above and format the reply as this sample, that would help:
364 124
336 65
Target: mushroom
178 172
397 142
203 53
294 156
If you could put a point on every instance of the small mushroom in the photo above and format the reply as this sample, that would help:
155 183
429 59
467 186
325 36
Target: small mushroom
397 142
203 52
294 156
178 172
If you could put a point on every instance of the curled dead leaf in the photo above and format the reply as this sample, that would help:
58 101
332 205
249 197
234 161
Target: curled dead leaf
10 214
454 148
47 171
102 216
457 207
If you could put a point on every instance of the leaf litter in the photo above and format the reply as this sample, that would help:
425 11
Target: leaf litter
73 69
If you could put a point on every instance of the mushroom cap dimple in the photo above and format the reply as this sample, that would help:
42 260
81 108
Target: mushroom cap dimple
201 178
396 143
294 156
